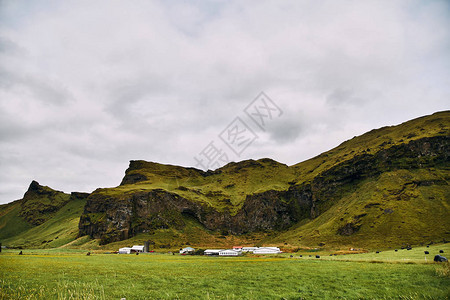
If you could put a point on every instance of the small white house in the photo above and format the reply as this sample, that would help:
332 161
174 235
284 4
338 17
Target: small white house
125 250
187 250
129 250
137 249
267 250
212 252
230 252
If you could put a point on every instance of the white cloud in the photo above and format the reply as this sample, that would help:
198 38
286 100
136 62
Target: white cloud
86 86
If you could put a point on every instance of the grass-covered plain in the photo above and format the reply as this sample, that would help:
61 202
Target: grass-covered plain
70 274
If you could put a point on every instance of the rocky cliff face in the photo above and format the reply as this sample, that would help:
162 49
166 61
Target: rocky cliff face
116 218
120 216
113 218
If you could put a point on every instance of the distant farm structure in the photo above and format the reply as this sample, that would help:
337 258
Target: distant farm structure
187 250
230 252
212 252
235 251
267 250
129 250
239 250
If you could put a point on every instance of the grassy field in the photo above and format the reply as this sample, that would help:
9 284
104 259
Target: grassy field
70 274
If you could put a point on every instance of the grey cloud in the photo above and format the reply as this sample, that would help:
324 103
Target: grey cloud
11 128
85 87
285 131
8 47
45 91
340 97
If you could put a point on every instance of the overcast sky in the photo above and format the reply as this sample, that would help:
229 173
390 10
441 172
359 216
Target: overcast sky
86 86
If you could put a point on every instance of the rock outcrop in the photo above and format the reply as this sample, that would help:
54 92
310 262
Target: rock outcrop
40 202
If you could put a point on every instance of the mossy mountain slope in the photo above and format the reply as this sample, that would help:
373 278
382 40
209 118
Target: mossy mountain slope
224 189
42 218
374 141
397 208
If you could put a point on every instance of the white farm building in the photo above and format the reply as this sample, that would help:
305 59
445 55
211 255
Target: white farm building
137 249
212 252
267 250
129 250
125 250
230 252
187 250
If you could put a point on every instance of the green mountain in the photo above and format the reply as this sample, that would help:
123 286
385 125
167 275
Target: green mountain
385 188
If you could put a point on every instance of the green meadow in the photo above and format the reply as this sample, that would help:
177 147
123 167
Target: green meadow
71 274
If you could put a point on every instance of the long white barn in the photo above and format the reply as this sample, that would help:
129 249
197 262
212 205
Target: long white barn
212 251
134 249
230 252
267 250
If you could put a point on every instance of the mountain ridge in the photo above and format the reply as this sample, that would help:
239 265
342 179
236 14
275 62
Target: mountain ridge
254 199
